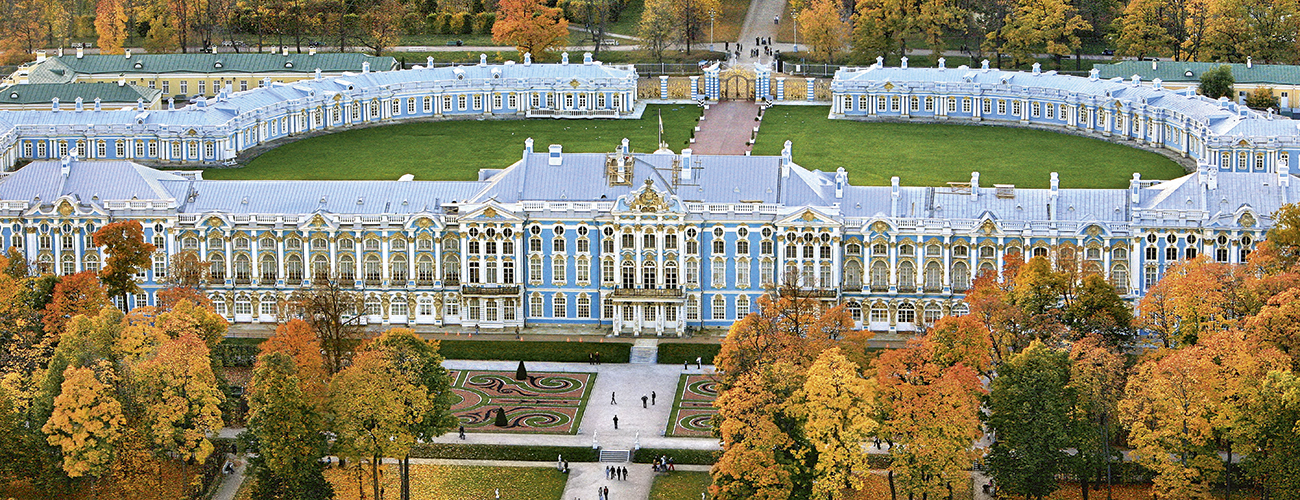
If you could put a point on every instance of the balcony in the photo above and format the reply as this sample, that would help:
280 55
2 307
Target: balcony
649 293
450 280
490 290
814 293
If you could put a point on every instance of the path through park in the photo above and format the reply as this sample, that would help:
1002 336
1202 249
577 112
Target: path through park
726 128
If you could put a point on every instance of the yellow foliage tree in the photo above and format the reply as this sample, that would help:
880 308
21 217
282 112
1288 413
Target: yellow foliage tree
824 30
110 25
837 404
87 421
530 26
179 396
375 409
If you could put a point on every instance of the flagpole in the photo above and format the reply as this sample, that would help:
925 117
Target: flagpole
661 128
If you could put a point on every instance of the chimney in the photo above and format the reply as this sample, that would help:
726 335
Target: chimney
586 58
528 58
286 50
787 154
311 51
365 67
428 62
841 179
318 73
564 58
121 81
1283 175
60 51
626 150
942 63
126 53
1053 194
686 164
528 147
81 52
880 61
78 105
556 159
1249 62
1038 69
1137 80
1154 62
54 104
171 103
894 194
1094 74
66 167
97 105
902 63
1135 189
974 185
984 65
1056 186
482 59
40 55
139 103
1157 84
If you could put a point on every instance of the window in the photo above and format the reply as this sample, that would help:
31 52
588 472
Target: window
1171 253
960 277
583 270
719 307
1034 109
557 270
742 306
1002 107
719 246
451 306
1015 108
535 306
906 276
1119 276
906 313
396 107
559 307
879 276
719 273
410 106
692 308
584 305
879 313
557 244
1149 277
606 271
1049 109
478 101
742 273
987 106
461 102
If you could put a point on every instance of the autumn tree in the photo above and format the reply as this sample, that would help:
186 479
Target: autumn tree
375 408
761 456
824 30
74 294
290 432
110 24
382 24
419 362
178 393
128 254
297 340
187 276
1050 26
530 26
960 339
883 27
1031 411
87 420
1186 303
692 19
332 310
656 27
930 416
1097 376
837 405
1276 456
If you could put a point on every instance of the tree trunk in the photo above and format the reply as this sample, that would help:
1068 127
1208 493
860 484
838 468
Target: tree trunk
1227 472
893 493
374 476
406 478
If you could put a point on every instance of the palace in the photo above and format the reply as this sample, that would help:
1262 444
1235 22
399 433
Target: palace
1221 133
641 243
214 131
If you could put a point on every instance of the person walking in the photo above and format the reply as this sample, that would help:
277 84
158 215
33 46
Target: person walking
622 472
608 470
652 398
600 494
606 493
699 363
644 400
615 422
462 432
612 399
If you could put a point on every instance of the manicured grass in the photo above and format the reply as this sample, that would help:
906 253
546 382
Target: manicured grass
676 353
680 485
927 154
447 482
504 452
510 350
680 457
456 149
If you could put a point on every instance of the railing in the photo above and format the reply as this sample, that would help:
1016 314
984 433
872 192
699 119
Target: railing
816 293
660 293
489 290
572 112
644 70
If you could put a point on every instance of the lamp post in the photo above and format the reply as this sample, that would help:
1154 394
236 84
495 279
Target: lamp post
711 15
796 32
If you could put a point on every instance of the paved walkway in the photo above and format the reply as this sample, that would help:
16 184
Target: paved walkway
726 128
230 483
758 24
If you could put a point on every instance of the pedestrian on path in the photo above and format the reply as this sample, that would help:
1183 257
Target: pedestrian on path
615 422
686 365
612 400
462 432
607 493
652 398
624 473
591 358
644 399
607 469
600 495
699 363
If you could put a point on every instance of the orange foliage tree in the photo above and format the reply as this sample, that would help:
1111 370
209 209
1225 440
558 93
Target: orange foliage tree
128 254
530 26
297 339
74 294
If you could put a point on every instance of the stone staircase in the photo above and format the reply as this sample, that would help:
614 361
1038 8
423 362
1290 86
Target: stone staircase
645 351
615 456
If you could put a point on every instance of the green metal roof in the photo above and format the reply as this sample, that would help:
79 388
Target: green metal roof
1182 71
36 93
61 68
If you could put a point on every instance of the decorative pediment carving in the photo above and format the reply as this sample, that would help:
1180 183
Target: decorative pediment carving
648 200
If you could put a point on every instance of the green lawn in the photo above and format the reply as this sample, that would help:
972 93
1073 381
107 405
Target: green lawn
456 149
672 353
925 154
680 485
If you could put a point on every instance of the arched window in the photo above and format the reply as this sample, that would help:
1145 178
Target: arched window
719 307
629 274
267 268
374 269
960 277
293 268
906 276
92 262
906 313
649 277
853 275
347 268
1119 277
855 311
932 313
670 274
68 265
742 306
584 306
451 268
397 268
218 267
559 306
879 313
933 277
320 267
879 276
424 269
960 309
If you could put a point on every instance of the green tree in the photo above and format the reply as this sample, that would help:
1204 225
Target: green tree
128 255
656 27
1031 405
1098 309
289 431
1275 463
1217 82
1097 375
419 362
376 410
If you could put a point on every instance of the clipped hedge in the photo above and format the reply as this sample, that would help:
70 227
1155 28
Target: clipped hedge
512 350
680 456
235 351
504 452
675 353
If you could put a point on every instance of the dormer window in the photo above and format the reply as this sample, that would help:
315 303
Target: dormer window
1187 73
288 64
217 65
13 95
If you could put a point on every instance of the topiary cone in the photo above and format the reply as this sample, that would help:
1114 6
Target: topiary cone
521 373
501 418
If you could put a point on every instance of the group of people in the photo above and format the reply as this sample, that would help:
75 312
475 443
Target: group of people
664 464
618 473
593 358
